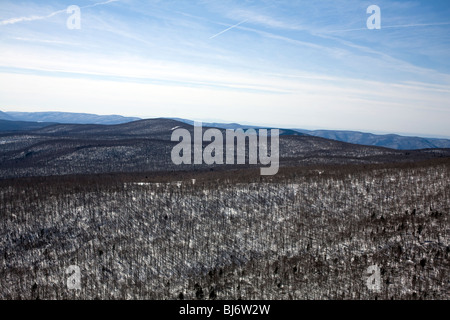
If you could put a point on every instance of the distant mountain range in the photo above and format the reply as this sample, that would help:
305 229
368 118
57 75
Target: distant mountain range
392 141
19 121
65 117
5 116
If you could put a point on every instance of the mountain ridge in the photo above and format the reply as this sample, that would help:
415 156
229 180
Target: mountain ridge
68 117
392 141
146 146
36 120
5 116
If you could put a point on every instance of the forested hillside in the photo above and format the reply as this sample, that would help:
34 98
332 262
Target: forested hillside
146 145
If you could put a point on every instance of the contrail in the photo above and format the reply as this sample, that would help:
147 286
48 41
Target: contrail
33 18
218 34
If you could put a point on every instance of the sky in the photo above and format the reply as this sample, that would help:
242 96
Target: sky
292 64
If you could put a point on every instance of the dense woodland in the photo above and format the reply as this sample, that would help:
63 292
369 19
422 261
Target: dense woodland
306 233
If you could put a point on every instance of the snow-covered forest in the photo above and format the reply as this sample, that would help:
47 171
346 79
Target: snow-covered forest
306 233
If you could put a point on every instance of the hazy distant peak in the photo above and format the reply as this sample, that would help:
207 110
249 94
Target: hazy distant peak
5 116
69 117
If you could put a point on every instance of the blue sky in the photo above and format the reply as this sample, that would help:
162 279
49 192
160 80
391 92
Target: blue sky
303 64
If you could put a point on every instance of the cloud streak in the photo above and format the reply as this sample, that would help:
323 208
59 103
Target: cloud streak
99 4
34 18
414 25
45 41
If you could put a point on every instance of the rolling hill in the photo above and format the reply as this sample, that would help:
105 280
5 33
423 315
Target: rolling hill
145 146
8 125
34 120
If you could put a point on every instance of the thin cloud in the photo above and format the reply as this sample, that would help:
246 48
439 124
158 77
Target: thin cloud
415 25
390 61
34 18
99 3
264 20
234 26
45 41
418 25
